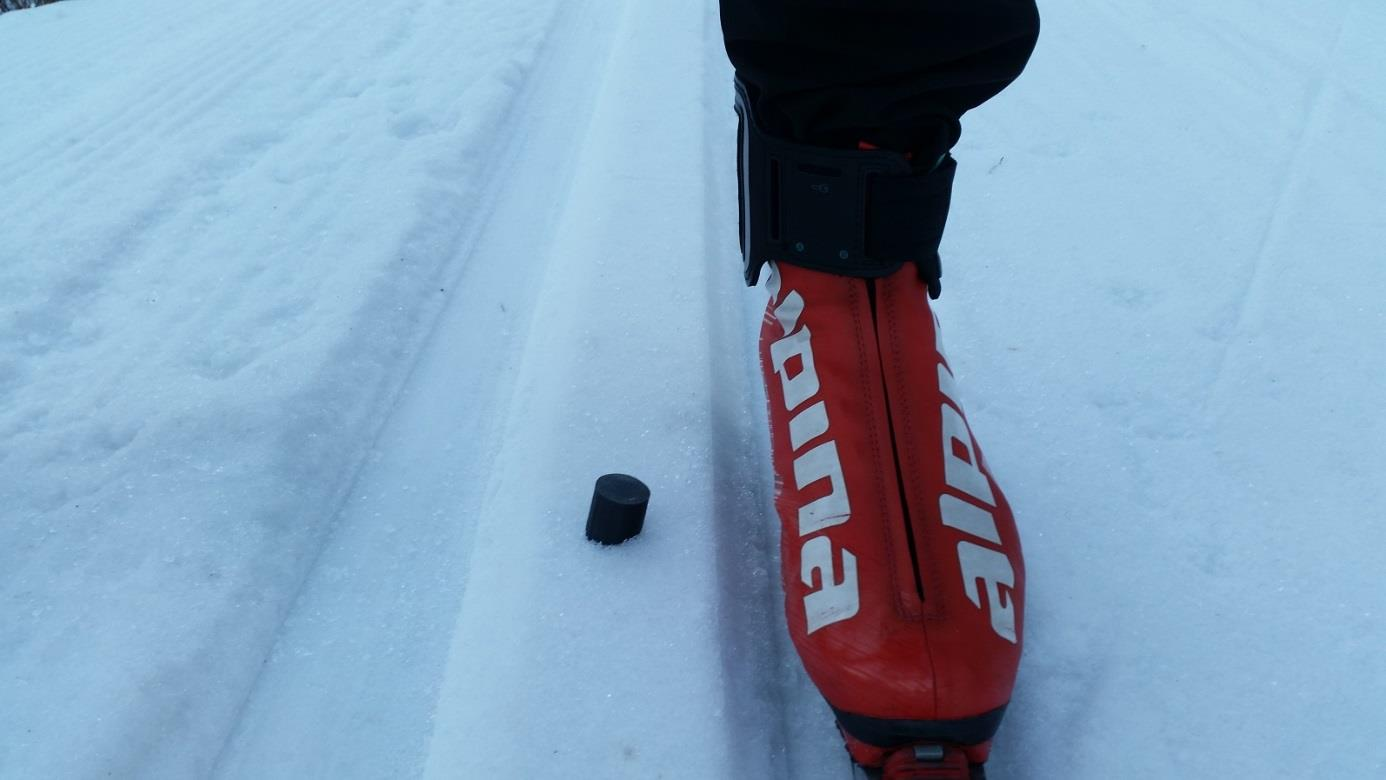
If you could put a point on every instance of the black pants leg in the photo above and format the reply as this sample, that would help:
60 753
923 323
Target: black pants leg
895 73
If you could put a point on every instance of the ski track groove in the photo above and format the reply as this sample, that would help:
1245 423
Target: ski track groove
512 406
387 406
1291 173
741 526
733 500
763 679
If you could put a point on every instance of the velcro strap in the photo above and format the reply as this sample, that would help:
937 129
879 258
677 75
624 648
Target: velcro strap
905 217
854 212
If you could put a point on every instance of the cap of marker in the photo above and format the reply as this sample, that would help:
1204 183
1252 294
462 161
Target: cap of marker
618 509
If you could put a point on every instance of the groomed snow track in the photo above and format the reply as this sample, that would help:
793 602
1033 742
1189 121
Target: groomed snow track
318 320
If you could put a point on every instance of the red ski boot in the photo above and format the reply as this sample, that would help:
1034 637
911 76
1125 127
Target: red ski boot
902 569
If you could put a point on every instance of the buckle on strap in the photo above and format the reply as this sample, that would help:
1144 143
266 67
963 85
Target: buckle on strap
861 213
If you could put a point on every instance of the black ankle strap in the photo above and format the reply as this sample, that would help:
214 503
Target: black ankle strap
861 213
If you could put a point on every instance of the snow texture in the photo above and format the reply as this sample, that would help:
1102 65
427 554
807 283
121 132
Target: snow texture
318 320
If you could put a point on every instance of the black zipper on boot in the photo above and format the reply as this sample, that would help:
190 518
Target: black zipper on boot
895 448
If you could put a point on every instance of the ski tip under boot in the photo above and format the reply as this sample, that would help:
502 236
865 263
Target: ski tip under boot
930 762
924 762
931 758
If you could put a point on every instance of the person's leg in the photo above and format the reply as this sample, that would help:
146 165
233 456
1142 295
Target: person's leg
895 73
902 568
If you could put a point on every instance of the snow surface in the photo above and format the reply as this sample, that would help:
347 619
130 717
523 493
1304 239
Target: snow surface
317 320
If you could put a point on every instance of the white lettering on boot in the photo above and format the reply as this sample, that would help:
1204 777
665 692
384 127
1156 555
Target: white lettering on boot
831 598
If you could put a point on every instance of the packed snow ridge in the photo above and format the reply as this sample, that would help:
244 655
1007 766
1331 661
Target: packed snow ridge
318 320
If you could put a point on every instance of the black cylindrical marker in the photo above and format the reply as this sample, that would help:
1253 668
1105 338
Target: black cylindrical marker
618 509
